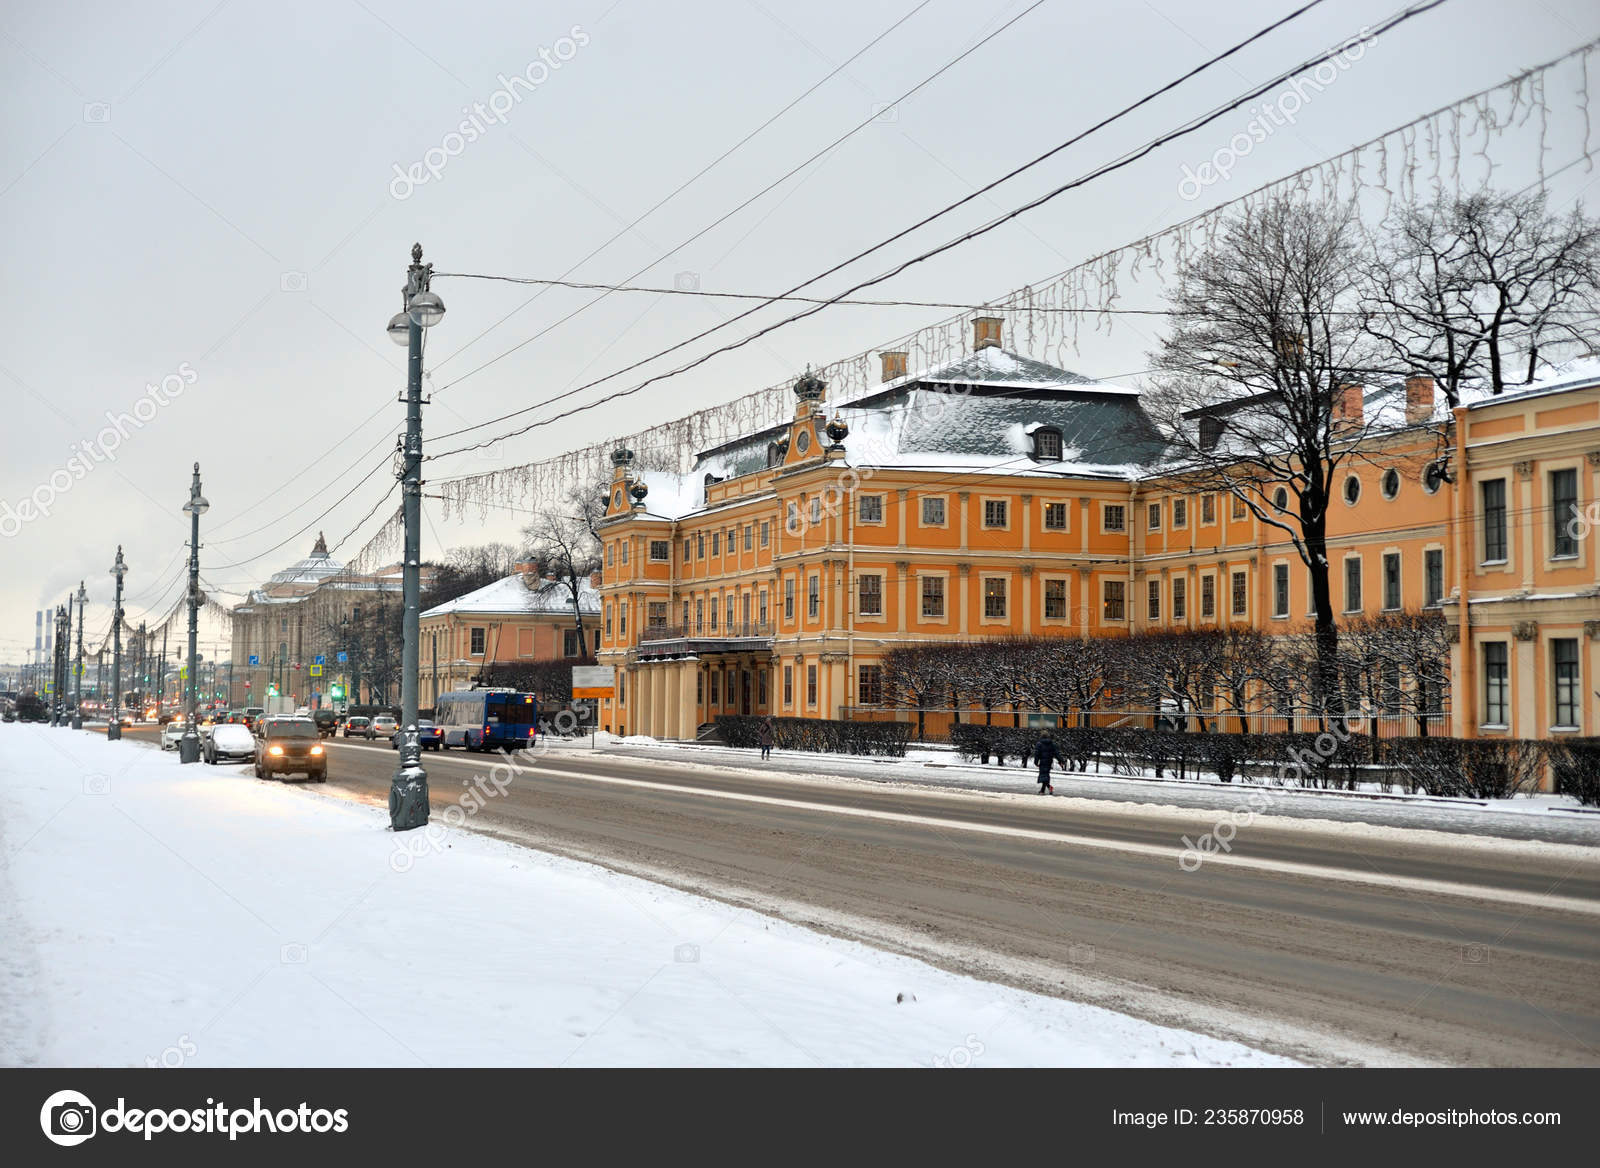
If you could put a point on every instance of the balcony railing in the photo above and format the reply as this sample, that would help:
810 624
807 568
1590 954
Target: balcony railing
680 640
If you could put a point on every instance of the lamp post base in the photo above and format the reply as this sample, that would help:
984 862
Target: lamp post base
408 792
77 721
189 748
113 731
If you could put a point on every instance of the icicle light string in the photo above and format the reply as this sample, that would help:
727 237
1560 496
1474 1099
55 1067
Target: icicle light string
1050 313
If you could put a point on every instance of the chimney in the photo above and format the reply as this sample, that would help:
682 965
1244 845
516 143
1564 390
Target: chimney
594 578
1419 400
985 332
894 365
1347 407
526 568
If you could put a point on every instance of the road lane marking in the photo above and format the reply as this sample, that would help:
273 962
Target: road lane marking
1156 851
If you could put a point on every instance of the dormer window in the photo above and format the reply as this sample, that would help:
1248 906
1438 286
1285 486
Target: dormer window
1047 444
1210 432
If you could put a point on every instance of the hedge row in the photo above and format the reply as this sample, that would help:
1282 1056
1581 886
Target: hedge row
1477 768
1577 768
822 735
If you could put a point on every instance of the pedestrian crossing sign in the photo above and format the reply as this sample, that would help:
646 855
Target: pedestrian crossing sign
316 670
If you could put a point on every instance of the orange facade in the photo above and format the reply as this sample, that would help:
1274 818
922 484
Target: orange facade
780 589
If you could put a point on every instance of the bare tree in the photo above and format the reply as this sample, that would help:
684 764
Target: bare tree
1461 288
562 540
915 676
1259 379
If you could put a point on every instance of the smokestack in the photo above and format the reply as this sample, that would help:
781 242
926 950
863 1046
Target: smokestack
985 332
1419 400
894 365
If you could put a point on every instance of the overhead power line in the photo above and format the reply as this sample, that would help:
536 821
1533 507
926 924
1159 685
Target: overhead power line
1125 160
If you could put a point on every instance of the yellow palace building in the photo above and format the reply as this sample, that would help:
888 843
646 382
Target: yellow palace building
998 494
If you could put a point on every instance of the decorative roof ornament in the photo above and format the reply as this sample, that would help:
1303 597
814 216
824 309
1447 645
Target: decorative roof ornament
638 490
622 456
838 432
810 387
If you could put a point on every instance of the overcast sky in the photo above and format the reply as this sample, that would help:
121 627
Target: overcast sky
209 194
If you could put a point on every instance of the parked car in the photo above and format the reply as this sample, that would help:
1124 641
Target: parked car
170 733
382 726
358 728
229 742
290 745
429 736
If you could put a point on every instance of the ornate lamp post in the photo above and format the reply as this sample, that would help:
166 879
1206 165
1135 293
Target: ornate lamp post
77 669
189 744
114 726
408 792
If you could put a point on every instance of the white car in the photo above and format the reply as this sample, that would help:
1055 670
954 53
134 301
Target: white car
383 726
170 733
230 741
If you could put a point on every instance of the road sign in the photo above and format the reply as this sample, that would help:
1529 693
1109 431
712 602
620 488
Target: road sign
593 681
255 659
319 659
316 670
344 658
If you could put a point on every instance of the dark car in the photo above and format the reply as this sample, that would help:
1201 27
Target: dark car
429 736
327 722
289 745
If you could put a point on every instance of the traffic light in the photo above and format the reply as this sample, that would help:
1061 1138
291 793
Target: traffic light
336 692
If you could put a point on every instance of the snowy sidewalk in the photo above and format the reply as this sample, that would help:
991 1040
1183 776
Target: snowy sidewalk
153 914
1552 818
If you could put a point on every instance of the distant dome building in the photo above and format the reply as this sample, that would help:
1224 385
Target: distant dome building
314 608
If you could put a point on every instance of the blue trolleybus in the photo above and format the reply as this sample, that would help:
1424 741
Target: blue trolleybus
487 719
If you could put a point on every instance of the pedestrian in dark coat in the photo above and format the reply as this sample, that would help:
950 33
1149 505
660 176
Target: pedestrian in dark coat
1044 753
765 736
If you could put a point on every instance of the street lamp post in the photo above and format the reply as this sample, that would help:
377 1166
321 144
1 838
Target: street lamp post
114 725
77 670
189 744
422 308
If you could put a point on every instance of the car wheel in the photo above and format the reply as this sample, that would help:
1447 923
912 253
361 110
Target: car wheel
259 773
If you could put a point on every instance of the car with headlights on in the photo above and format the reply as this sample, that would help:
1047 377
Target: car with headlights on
229 742
289 746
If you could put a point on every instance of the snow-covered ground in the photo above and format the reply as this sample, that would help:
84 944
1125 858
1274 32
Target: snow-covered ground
1554 818
155 914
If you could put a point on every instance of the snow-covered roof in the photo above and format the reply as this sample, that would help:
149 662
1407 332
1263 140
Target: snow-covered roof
992 366
514 596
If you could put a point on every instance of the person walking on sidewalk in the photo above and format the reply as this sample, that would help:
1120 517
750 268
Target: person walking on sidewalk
1044 753
765 736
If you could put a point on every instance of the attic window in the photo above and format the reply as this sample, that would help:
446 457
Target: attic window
1047 444
1210 432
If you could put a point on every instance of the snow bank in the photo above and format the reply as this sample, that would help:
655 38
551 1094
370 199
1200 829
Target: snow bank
157 914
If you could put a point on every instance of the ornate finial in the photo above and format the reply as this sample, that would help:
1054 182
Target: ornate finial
638 490
416 253
810 387
838 431
621 456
